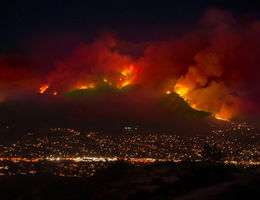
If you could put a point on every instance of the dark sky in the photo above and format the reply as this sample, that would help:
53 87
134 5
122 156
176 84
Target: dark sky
138 20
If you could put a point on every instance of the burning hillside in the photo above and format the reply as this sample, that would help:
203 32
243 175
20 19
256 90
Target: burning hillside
213 68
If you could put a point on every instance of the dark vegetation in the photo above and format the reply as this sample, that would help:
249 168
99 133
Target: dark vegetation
212 153
155 181
176 104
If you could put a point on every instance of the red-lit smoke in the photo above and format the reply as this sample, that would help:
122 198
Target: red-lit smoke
16 79
214 66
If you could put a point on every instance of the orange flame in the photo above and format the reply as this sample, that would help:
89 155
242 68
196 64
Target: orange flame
89 86
128 72
127 76
181 90
184 91
125 84
220 118
43 88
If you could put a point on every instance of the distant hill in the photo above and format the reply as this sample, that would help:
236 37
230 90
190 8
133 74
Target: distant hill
105 108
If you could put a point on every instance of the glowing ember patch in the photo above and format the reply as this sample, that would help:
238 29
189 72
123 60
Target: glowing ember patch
128 71
123 73
181 91
43 88
106 81
91 86
125 84
84 87
194 106
220 118
168 92
127 76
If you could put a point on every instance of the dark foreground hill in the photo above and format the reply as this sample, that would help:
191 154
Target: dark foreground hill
126 182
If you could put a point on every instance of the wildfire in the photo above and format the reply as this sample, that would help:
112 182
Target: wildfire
43 88
182 91
89 86
83 87
220 118
125 84
194 106
106 81
128 72
127 76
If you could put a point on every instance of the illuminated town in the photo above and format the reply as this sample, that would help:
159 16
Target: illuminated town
71 153
130 100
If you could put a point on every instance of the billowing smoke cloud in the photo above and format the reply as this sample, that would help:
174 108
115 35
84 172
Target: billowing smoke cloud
90 63
214 66
208 64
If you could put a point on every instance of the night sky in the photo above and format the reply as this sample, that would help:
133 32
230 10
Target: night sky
21 20
208 52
